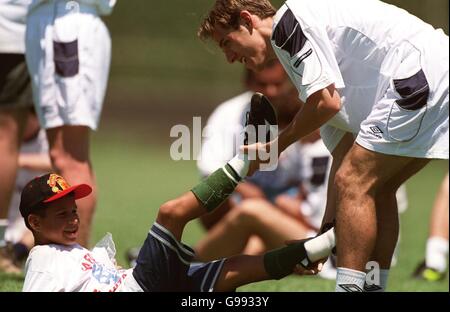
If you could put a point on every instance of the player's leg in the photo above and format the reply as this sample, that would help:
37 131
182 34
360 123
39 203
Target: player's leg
388 221
211 219
204 197
12 122
434 266
437 243
274 264
15 100
252 217
69 153
360 177
338 153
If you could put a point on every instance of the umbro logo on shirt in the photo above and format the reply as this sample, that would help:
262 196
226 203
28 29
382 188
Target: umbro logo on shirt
376 131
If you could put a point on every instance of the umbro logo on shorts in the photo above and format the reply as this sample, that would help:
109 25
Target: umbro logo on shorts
350 287
376 131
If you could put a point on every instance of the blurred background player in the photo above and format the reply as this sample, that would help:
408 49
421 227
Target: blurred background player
33 161
15 99
68 53
434 267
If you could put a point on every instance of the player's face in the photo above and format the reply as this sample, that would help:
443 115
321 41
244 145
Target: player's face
60 222
239 45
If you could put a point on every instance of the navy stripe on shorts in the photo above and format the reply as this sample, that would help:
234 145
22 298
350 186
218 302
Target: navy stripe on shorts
164 264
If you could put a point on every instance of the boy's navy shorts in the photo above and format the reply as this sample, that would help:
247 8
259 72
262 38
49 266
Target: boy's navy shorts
164 264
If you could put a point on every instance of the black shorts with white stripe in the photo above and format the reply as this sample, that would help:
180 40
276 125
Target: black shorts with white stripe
164 265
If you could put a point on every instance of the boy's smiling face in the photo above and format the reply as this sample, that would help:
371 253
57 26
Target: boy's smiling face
58 224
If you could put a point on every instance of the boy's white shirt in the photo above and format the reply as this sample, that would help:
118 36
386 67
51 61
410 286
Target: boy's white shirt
59 268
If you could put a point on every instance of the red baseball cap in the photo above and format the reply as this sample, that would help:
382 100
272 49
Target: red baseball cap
48 188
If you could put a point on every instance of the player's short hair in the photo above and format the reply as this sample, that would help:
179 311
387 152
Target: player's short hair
226 14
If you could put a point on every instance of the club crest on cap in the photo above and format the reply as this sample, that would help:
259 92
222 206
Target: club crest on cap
57 183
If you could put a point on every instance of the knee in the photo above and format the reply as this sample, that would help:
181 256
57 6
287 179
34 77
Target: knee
247 211
171 211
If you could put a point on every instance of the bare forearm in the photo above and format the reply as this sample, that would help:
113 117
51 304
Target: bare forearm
319 108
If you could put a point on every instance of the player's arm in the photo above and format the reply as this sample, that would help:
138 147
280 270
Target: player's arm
320 107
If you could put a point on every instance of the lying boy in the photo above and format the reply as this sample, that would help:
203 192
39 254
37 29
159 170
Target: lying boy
58 263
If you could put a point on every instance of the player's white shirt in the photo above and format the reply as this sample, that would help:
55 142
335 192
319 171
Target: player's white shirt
12 25
353 44
104 7
58 268
16 226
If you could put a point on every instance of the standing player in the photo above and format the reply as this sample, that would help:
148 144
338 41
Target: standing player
68 55
15 100
375 80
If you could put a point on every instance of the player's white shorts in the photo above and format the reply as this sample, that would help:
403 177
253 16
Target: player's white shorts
410 114
68 51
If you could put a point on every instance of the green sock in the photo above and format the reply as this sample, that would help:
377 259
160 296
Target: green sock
281 262
213 190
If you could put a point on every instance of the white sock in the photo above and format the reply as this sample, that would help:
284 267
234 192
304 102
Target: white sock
436 253
320 246
3 226
240 164
384 275
348 280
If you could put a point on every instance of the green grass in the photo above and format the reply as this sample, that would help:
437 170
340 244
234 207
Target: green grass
134 179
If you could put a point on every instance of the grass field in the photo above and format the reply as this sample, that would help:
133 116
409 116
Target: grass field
134 179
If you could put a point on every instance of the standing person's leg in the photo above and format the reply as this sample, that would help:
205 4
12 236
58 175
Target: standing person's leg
437 243
434 266
360 177
69 152
12 124
388 221
338 154
15 100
